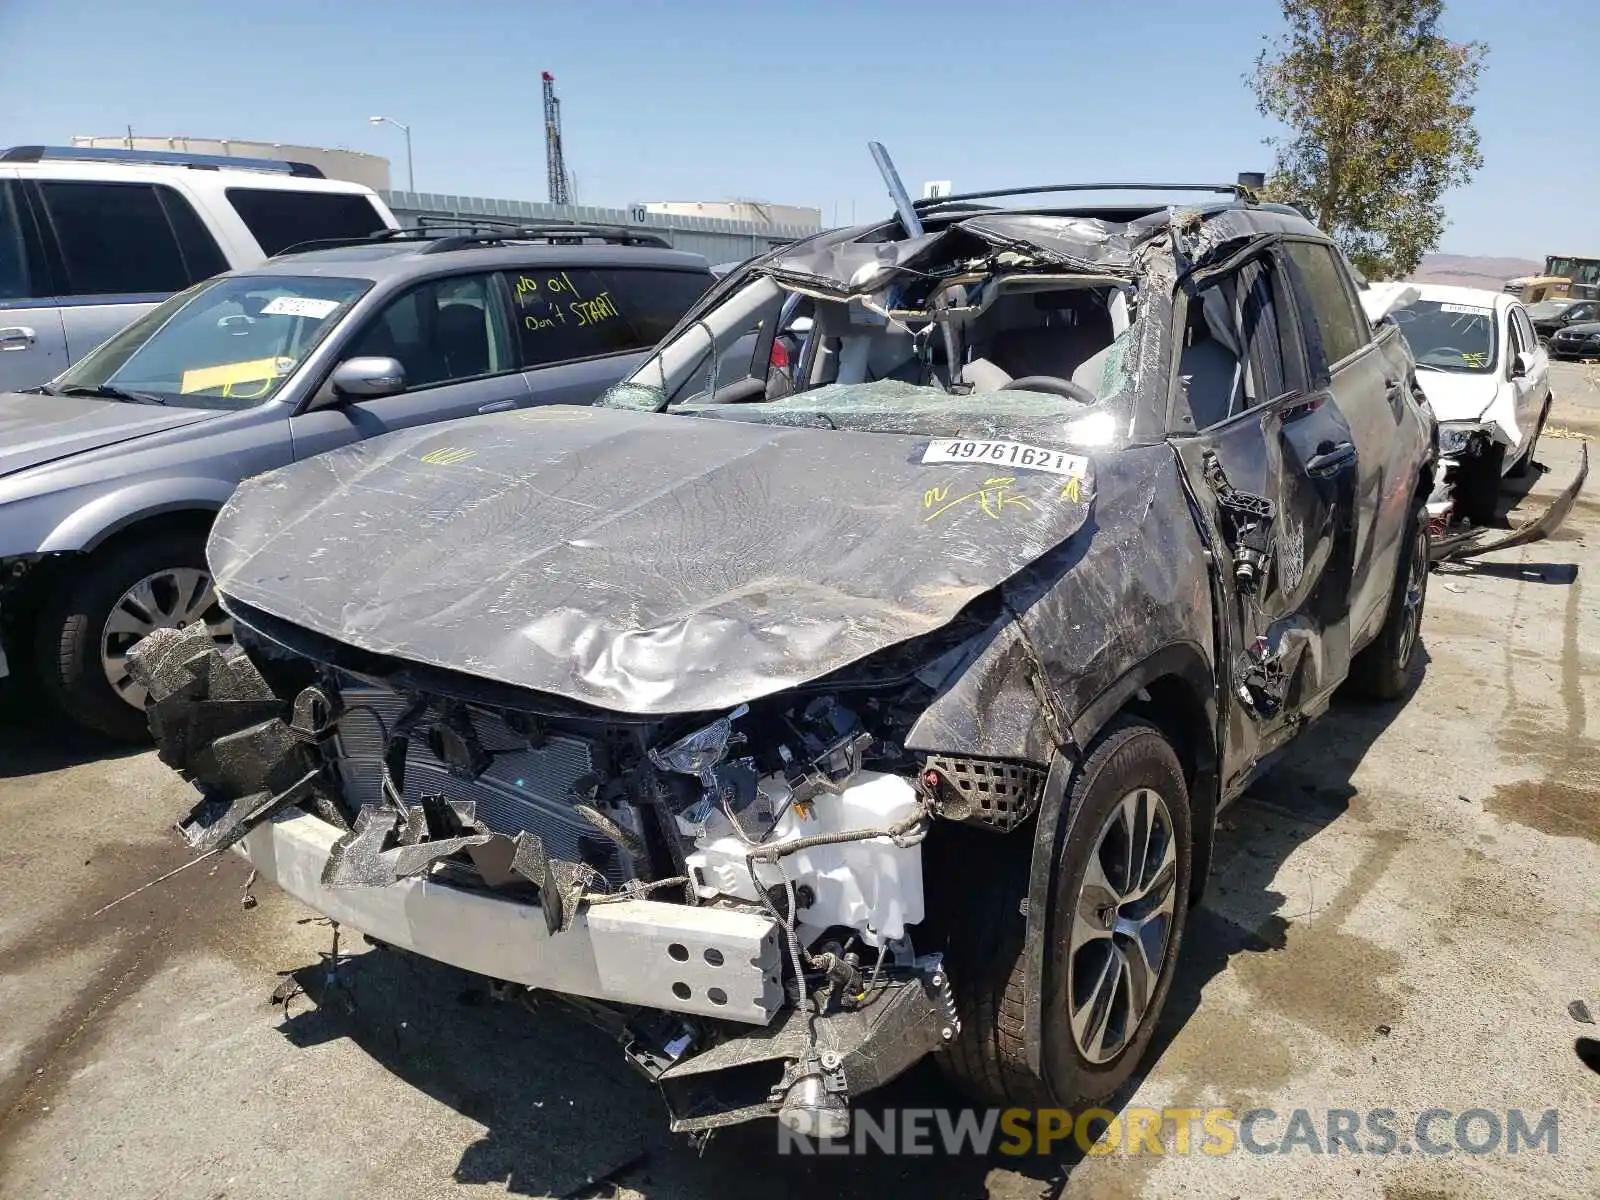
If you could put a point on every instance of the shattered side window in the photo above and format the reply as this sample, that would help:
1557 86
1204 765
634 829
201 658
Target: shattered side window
1115 374
712 354
1235 351
635 397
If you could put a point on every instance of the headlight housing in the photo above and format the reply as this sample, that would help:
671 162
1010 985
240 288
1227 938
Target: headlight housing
1456 440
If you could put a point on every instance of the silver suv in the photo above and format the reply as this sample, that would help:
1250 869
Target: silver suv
110 475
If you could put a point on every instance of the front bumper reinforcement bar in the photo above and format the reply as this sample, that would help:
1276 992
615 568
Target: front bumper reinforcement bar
706 961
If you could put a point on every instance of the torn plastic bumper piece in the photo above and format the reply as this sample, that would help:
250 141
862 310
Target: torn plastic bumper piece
747 1078
711 962
1479 540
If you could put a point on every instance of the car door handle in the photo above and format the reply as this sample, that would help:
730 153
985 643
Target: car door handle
17 337
1331 457
495 406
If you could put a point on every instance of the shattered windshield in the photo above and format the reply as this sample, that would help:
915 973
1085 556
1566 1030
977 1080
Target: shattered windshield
896 338
895 406
1450 337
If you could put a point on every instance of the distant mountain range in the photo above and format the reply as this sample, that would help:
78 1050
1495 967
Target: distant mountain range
1472 270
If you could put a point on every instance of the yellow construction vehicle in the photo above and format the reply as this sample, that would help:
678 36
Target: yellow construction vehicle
1564 275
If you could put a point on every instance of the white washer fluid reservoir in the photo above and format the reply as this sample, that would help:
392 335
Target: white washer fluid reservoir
873 887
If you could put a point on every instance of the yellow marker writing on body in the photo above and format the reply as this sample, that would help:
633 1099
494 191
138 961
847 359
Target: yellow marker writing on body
992 497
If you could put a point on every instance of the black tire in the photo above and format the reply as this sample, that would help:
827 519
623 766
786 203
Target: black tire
985 950
983 954
1477 487
1382 670
72 622
1524 464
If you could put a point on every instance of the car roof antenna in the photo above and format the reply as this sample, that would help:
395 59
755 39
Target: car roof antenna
897 190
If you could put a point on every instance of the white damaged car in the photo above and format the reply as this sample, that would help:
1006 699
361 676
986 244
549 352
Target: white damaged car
1487 379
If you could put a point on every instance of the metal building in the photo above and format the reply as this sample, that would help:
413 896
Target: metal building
755 212
370 170
718 239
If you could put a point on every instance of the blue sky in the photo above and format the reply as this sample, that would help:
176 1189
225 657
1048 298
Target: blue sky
713 99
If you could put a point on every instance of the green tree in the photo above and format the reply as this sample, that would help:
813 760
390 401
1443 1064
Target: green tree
1378 112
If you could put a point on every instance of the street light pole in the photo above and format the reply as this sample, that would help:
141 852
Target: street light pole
411 178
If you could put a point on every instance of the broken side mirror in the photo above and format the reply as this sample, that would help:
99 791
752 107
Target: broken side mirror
1522 366
368 377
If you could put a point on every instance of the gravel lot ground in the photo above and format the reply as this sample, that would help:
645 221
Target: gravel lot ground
1577 391
1399 917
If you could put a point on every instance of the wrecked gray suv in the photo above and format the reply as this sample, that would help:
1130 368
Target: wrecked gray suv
802 715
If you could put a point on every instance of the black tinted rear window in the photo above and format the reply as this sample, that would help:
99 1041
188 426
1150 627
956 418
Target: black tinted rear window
280 219
582 312
115 238
201 254
654 300
15 283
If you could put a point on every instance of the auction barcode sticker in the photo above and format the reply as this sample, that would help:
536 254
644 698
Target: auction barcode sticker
1006 454
299 306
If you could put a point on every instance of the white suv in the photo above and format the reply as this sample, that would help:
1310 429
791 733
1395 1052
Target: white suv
92 238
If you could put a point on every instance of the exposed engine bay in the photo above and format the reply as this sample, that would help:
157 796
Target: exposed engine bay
803 814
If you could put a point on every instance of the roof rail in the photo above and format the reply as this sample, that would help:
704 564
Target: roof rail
407 233
505 227
1238 190
161 158
500 232
426 231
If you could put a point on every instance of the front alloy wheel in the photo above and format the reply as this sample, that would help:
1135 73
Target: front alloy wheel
1121 924
1120 884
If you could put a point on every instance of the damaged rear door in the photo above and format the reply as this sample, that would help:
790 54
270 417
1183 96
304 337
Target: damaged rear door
1271 466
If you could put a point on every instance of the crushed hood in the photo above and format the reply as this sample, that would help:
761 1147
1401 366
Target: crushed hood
37 429
637 562
1457 395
